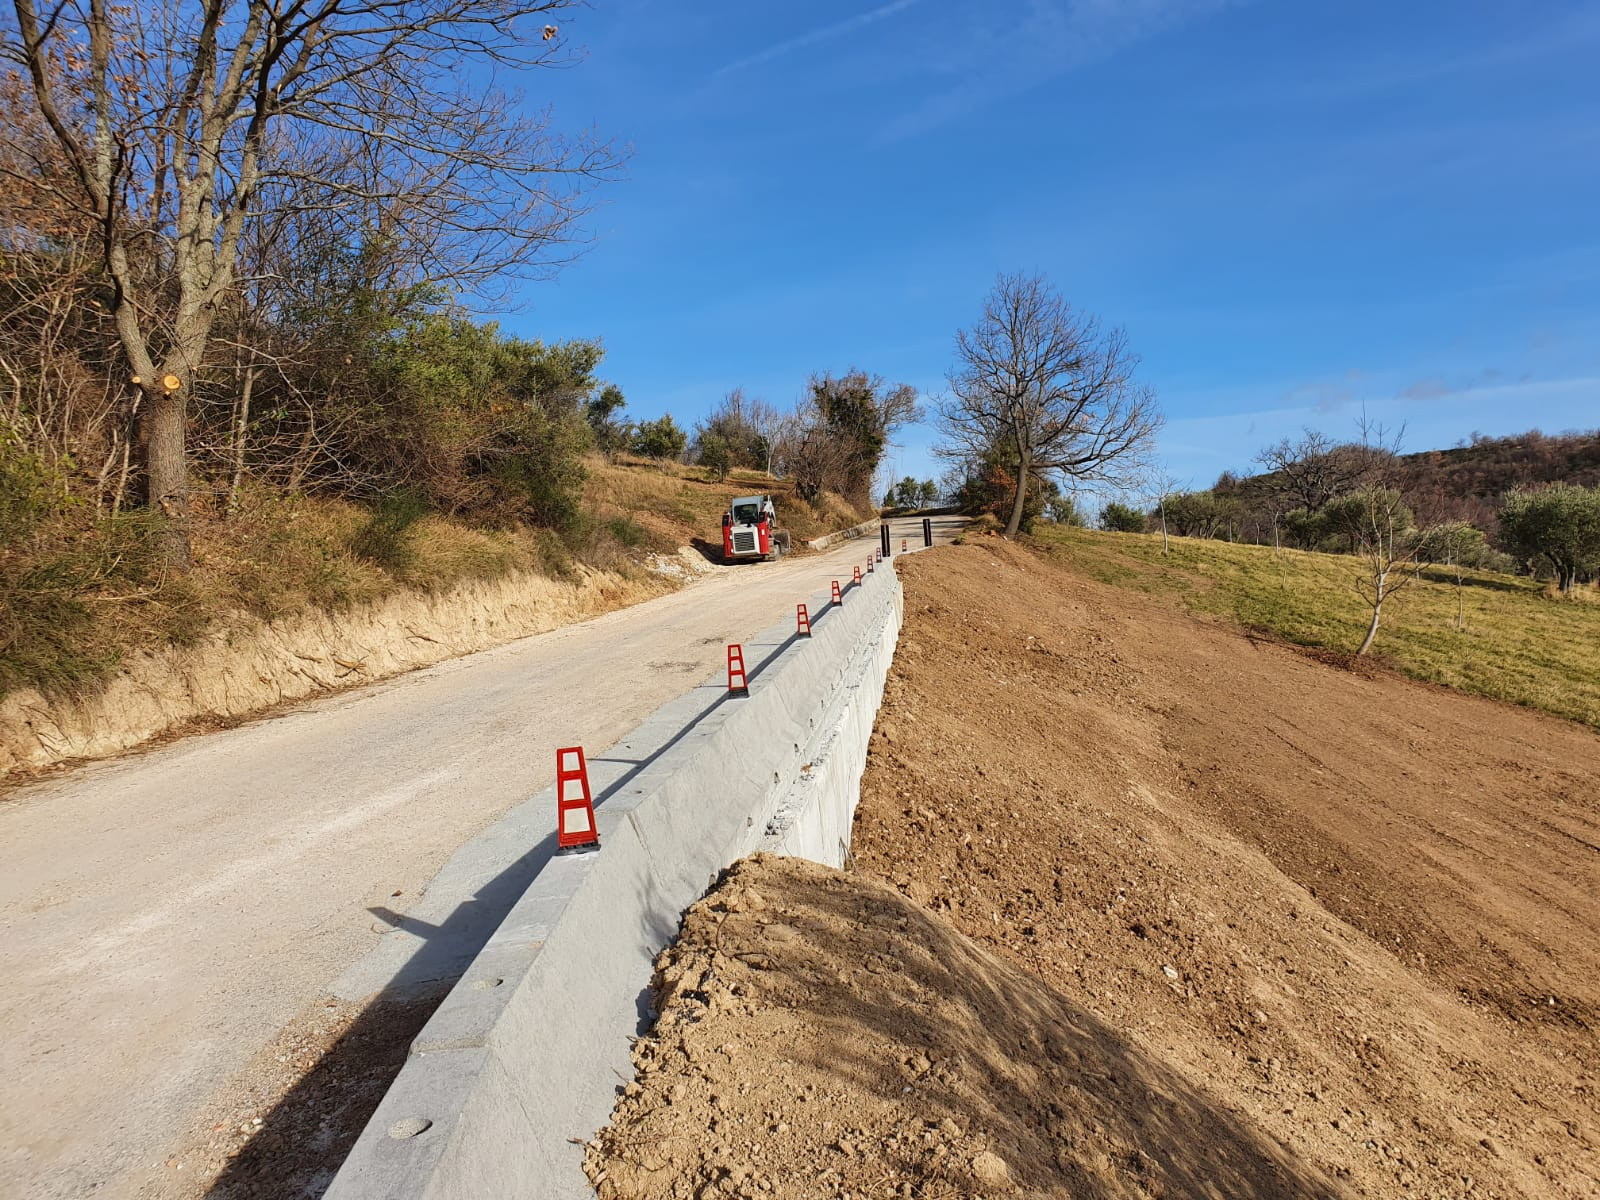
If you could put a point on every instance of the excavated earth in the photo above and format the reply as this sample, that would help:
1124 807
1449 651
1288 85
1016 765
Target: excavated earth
1143 906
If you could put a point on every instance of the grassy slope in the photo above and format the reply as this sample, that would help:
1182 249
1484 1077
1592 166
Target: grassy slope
1517 643
680 503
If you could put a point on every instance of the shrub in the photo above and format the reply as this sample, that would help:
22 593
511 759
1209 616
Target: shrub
1064 510
386 538
715 456
1122 518
660 439
50 637
744 425
628 532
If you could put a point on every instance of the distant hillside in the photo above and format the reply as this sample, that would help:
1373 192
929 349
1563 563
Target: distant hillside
1471 480
1468 482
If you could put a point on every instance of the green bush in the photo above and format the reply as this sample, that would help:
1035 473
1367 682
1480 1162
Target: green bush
51 637
628 532
386 538
24 494
1122 518
1065 510
660 439
715 456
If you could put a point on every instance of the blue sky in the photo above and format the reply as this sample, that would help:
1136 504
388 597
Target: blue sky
1296 209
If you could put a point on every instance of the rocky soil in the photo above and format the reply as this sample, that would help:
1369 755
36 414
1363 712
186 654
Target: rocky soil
1143 906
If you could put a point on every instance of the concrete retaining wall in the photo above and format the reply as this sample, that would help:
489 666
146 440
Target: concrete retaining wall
524 1057
844 535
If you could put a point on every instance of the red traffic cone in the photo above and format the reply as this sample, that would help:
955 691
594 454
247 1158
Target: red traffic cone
737 683
857 579
575 827
902 545
838 596
802 621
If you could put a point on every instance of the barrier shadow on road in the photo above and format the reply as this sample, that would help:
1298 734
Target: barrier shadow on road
304 1139
306 1136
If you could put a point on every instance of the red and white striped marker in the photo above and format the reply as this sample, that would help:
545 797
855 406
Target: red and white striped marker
575 827
737 683
838 595
802 621
857 579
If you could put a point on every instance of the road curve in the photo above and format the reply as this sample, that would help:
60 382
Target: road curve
162 916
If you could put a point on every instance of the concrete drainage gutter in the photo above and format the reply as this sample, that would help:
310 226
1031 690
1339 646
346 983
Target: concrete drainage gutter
521 1062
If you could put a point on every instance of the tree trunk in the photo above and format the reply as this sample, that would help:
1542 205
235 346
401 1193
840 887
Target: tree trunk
1015 523
241 423
1377 612
167 472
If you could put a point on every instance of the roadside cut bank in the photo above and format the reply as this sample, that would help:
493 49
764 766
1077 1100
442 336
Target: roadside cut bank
1204 895
247 668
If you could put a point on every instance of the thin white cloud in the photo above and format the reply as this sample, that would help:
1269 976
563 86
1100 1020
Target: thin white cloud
1208 443
1011 52
812 38
1405 70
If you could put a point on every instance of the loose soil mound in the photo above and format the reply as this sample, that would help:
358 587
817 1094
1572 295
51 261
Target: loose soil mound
821 1035
1348 915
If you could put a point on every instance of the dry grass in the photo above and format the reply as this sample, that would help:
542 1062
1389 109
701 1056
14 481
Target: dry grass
75 602
676 504
1515 643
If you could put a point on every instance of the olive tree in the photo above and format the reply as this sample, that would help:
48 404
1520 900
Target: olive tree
1559 523
1117 517
1050 390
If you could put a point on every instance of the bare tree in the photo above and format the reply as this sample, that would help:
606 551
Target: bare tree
1159 486
1380 524
1045 386
1312 470
179 120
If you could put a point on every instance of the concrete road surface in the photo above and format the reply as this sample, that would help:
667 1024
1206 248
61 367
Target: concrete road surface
164 915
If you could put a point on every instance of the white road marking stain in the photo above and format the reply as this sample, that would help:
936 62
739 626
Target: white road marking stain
235 875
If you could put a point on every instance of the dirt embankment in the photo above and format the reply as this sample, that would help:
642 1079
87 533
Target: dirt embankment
250 668
1180 913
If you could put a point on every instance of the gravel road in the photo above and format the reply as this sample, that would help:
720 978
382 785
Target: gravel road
162 916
